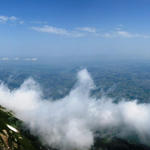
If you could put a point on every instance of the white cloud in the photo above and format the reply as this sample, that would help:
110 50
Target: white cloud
81 32
51 29
4 58
31 59
87 29
38 22
4 19
16 58
58 31
34 59
21 22
106 35
12 19
124 34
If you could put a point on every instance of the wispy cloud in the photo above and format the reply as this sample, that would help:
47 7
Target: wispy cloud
42 26
123 34
3 19
132 35
16 58
38 22
12 18
87 29
6 19
30 59
21 22
19 59
58 31
51 29
4 58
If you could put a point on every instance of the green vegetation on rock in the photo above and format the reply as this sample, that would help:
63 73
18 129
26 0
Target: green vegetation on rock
12 135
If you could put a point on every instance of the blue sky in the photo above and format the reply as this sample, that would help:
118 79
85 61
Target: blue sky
69 28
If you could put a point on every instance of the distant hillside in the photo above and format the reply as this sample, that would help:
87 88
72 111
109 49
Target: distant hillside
116 144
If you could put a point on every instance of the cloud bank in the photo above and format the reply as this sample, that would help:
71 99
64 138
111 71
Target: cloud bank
71 122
